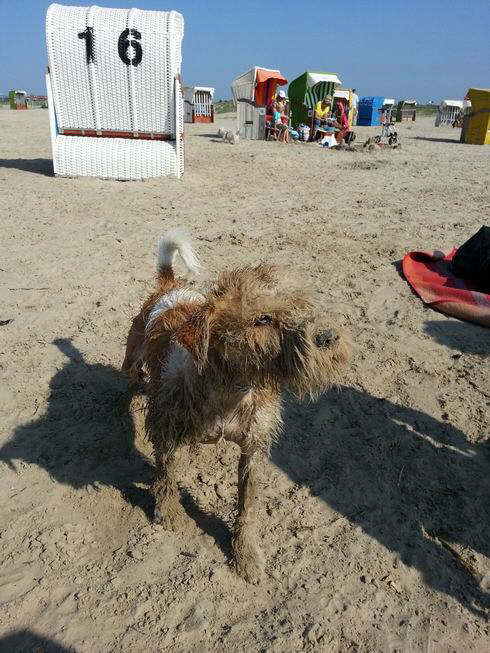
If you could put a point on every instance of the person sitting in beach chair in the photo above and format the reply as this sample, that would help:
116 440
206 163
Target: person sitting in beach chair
327 125
278 123
281 127
342 121
322 113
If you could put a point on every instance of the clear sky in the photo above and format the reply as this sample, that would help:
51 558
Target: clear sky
421 49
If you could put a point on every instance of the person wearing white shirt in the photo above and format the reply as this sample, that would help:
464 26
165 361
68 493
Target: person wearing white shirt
355 104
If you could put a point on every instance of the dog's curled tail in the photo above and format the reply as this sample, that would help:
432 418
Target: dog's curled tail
176 241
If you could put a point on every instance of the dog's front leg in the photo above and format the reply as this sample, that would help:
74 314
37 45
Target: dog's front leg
248 559
169 512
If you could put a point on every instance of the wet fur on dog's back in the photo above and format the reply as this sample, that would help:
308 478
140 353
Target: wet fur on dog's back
218 364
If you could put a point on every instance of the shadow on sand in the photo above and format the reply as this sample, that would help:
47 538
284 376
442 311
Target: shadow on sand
38 166
462 336
87 434
412 482
26 641
438 140
87 437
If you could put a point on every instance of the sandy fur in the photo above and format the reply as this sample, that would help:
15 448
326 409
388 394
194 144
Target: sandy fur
252 338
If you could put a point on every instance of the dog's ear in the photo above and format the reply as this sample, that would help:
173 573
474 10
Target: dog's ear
194 336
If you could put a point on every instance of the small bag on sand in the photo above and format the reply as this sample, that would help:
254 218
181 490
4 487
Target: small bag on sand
350 137
304 133
472 260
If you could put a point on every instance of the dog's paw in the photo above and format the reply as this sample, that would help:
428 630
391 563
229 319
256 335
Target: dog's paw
171 518
248 562
250 569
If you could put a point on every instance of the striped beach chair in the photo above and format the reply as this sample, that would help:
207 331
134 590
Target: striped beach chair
318 92
308 89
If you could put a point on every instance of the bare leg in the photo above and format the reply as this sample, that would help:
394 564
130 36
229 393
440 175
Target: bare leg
169 512
248 559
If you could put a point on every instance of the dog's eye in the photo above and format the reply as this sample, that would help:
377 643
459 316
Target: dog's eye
262 320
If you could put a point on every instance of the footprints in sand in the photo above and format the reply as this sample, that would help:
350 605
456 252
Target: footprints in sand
17 580
59 543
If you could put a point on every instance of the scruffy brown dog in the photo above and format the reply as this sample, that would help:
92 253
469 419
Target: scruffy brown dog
218 364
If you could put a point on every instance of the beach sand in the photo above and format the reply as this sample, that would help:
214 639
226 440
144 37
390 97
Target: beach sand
373 510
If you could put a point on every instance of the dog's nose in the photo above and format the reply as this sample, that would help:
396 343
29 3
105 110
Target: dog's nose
325 339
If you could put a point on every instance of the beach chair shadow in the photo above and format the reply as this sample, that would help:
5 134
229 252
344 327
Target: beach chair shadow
215 135
433 139
410 481
87 435
37 166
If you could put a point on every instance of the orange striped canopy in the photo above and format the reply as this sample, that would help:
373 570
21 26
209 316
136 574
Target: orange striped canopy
266 83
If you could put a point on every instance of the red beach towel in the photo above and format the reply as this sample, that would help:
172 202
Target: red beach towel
430 275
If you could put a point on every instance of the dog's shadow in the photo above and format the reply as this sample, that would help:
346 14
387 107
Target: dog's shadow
409 480
86 436
27 641
86 439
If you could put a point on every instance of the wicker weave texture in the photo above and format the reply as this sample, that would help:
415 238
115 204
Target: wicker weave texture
179 119
98 83
114 158
107 93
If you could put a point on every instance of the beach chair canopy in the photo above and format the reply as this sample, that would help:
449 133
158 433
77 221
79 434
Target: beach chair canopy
114 88
311 87
308 89
388 102
342 93
457 104
258 85
190 92
477 130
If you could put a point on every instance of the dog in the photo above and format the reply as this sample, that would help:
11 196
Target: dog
229 136
218 363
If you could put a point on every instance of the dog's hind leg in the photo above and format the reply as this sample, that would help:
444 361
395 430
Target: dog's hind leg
132 366
169 512
248 559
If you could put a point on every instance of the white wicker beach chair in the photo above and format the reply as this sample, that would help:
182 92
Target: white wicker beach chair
114 92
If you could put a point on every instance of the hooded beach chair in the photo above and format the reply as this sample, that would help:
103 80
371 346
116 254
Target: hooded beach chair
252 93
114 92
476 125
345 95
406 111
198 104
370 111
305 91
18 100
448 112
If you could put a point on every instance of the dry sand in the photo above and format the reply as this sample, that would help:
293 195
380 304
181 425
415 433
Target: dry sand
374 510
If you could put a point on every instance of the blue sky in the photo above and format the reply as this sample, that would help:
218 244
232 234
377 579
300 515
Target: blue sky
425 49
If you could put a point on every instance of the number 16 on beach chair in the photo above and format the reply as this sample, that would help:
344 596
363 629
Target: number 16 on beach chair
114 92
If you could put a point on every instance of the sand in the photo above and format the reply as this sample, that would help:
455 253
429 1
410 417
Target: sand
374 506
